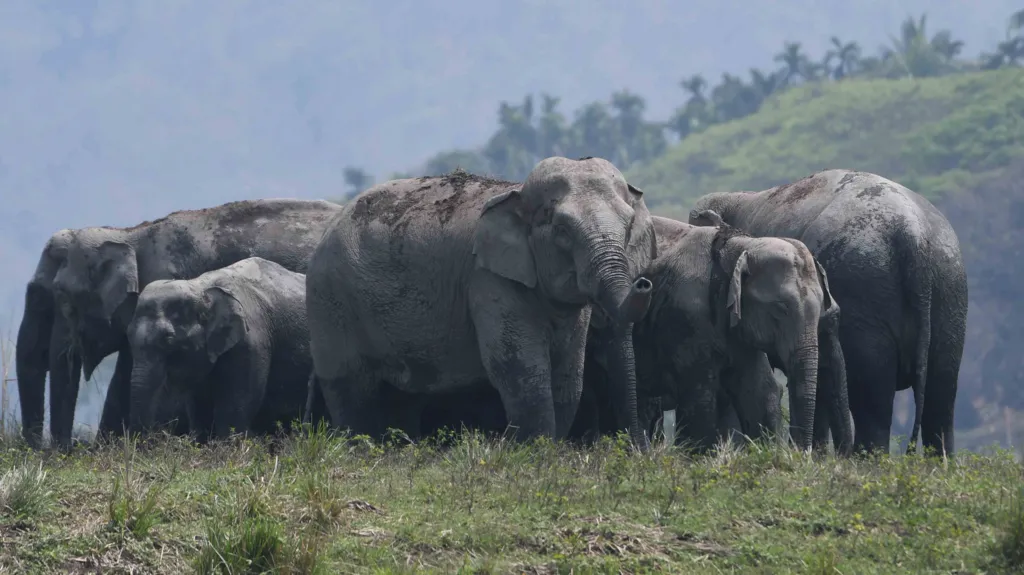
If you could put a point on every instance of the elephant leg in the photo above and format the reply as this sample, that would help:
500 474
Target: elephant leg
200 416
238 385
585 425
568 357
940 394
871 367
822 421
515 350
697 407
354 398
65 374
114 418
404 410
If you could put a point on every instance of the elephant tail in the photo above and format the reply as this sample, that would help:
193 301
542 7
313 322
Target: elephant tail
918 282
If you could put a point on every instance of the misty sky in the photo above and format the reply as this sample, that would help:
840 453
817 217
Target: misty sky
119 111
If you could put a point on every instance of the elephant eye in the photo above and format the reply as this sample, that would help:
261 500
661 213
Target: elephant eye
561 236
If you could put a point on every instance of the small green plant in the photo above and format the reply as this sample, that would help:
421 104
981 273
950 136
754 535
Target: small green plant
24 492
322 500
255 546
1011 545
132 506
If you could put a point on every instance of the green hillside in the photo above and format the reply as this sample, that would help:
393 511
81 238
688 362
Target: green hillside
935 135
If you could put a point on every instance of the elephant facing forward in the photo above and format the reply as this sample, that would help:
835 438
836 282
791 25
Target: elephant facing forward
727 304
83 294
434 284
231 346
895 265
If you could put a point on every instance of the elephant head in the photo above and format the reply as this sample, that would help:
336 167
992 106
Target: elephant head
96 290
579 233
775 294
177 335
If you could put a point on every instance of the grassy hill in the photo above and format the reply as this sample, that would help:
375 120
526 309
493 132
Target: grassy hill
935 135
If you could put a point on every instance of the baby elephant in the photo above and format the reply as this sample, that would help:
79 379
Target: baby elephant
230 347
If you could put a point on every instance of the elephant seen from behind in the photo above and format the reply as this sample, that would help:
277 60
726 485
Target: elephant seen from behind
435 284
231 346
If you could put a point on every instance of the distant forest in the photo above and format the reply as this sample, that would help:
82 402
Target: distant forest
618 130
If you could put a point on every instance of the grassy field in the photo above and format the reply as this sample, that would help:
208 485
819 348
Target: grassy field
316 504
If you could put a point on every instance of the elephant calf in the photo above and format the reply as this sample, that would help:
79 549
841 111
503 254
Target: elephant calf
231 345
726 304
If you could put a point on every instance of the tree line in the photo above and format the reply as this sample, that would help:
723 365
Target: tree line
618 130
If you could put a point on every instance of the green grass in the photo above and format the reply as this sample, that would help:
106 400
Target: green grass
317 504
935 135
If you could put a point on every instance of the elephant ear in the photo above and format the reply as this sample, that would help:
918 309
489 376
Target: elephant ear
734 300
707 218
827 302
226 325
642 247
501 243
118 281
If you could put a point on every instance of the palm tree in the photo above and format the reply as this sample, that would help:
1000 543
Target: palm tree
946 46
764 84
846 55
1017 21
1008 53
917 55
794 63
551 128
695 86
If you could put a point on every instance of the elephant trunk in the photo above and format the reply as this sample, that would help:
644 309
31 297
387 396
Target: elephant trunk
839 406
65 368
148 377
31 357
624 301
803 393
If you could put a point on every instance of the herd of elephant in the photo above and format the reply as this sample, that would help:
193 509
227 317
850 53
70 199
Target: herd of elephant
555 307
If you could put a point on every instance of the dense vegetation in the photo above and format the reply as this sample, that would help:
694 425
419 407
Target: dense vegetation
916 112
619 131
315 504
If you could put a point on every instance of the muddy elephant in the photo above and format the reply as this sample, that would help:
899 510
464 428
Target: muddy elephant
725 308
433 284
87 282
895 265
231 346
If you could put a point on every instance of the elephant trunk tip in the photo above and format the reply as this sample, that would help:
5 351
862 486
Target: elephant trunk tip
634 307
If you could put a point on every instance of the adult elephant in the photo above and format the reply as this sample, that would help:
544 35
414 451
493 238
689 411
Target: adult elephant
896 267
41 333
97 274
726 305
434 284
231 345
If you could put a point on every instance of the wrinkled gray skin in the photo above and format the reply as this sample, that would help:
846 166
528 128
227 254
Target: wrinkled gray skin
231 346
725 305
750 401
93 276
432 285
895 265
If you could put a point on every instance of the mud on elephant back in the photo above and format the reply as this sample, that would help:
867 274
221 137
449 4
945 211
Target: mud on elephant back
433 284
83 293
895 266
